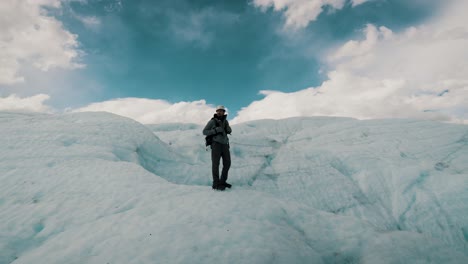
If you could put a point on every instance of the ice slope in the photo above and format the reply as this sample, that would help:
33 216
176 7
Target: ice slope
99 188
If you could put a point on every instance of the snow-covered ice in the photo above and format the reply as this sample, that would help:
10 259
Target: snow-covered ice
100 188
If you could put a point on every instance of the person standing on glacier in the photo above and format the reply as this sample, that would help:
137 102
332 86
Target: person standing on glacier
219 128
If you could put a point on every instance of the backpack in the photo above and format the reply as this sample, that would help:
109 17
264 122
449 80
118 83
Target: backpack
209 140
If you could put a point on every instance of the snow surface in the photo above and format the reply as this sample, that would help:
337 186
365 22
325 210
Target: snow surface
100 188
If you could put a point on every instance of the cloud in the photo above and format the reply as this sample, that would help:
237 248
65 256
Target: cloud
198 27
150 111
33 103
192 29
299 13
146 111
421 72
114 6
29 36
91 22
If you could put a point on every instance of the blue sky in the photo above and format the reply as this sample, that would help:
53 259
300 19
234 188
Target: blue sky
223 52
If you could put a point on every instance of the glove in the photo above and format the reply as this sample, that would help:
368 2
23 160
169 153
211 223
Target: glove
218 130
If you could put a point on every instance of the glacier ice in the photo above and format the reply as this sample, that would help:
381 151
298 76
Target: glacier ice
100 188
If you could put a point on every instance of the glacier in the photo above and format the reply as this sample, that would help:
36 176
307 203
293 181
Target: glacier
101 188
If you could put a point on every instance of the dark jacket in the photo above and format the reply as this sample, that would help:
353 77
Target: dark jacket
220 122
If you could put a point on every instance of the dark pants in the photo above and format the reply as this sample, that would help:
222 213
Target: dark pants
219 150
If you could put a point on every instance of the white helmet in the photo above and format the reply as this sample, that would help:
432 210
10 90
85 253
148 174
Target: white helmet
220 107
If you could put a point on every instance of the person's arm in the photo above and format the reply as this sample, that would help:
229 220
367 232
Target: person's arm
228 128
211 129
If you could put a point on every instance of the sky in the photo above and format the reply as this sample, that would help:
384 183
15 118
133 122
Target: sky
174 61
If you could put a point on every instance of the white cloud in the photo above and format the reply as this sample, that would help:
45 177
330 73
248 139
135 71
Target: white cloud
192 29
34 103
114 6
196 27
358 2
29 36
298 13
90 22
143 110
149 111
421 72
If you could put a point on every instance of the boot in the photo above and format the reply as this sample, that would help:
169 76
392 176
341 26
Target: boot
218 186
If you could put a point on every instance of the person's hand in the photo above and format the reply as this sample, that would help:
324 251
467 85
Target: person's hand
219 130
